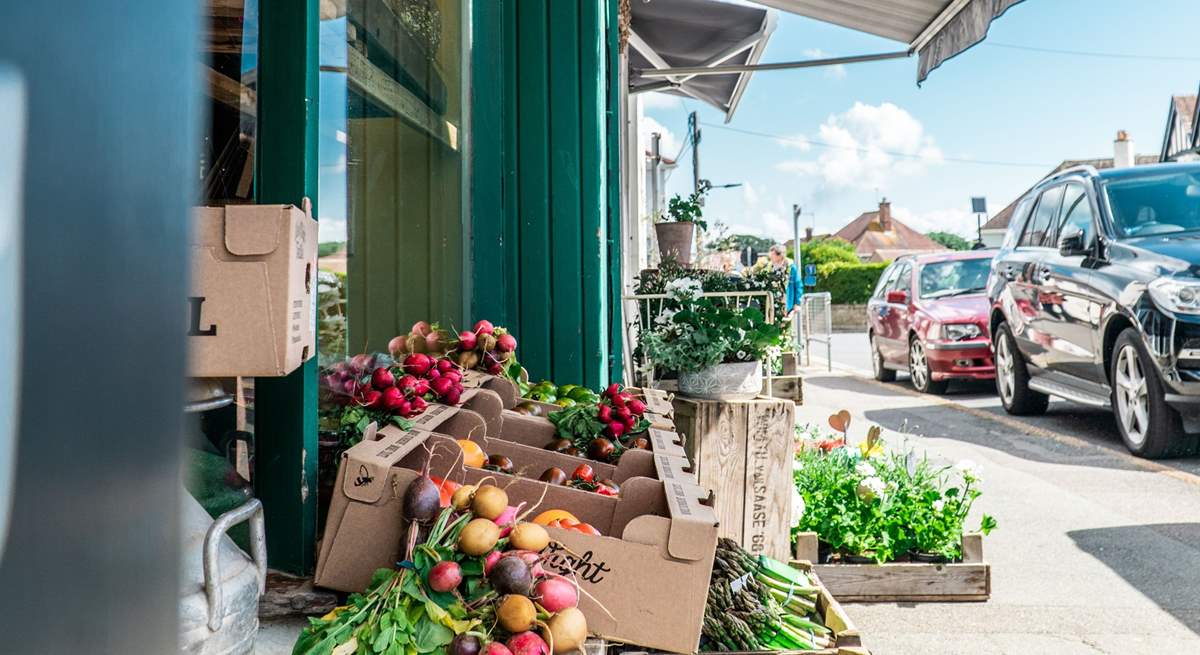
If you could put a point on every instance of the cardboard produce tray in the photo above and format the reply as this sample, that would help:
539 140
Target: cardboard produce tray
649 570
967 581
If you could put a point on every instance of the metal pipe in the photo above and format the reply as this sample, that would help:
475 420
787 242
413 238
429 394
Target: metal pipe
782 65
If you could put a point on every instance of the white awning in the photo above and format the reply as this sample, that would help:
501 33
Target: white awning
699 35
934 29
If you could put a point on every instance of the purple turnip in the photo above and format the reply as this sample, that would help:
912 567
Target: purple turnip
464 644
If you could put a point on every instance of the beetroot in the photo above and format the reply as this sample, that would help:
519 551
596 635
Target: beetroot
417 364
484 327
464 644
422 500
528 643
511 575
382 379
445 576
506 343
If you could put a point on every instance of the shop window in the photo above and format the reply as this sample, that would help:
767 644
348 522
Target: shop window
391 184
230 74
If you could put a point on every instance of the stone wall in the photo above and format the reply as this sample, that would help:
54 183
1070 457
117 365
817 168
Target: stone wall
849 318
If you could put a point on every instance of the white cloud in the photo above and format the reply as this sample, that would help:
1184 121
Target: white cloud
338 166
868 147
669 143
836 72
797 141
749 194
654 100
331 229
958 221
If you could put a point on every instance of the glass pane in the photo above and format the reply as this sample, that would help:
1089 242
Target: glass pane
392 169
1043 217
230 71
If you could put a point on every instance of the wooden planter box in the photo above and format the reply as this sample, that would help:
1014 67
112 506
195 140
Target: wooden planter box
968 580
742 450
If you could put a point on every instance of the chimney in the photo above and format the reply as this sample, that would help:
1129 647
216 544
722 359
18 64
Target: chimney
1123 156
808 234
885 215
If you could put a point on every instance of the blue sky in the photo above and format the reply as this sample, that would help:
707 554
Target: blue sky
990 103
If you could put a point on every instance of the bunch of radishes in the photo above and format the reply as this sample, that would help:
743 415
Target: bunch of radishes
619 411
374 382
424 337
486 347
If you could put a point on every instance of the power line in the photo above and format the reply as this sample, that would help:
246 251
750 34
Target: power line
1090 53
902 155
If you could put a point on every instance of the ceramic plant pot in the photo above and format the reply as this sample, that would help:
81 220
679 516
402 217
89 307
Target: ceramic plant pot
675 241
734 381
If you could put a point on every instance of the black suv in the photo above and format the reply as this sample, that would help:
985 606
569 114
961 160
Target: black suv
1095 298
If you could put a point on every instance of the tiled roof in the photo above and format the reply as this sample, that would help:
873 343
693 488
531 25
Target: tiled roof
868 236
1001 219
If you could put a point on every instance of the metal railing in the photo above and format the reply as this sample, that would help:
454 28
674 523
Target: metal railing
640 312
815 324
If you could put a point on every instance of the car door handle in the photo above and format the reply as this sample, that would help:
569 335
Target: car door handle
1008 272
1042 274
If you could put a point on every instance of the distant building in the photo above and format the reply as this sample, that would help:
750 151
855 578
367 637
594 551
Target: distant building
1181 141
994 230
878 237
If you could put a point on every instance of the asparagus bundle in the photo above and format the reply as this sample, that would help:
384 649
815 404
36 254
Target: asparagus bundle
757 603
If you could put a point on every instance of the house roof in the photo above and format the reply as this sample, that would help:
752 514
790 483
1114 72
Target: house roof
1179 118
868 236
1001 219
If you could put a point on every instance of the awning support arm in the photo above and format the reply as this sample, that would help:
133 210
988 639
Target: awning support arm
783 65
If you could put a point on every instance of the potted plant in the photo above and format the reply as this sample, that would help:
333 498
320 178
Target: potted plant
676 230
717 350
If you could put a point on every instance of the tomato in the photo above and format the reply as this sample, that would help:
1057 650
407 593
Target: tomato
551 515
472 454
576 526
605 490
446 489
584 472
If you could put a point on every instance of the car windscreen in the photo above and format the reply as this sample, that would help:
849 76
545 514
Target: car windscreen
1155 204
958 277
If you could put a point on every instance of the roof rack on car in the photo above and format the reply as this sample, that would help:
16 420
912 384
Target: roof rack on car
1081 168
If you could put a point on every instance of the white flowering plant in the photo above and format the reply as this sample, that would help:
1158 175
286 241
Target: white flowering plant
693 332
885 506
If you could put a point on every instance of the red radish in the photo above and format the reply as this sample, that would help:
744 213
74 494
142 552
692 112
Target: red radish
616 428
360 361
495 369
433 342
421 387
453 396
484 327
630 422
490 560
444 364
505 520
417 364
406 382
418 405
382 379
393 398
445 576
612 390
422 328
372 398
617 401
623 413
453 375
496 648
528 643
398 346
350 386
467 341
556 593
636 406
604 412
441 386
506 343
404 408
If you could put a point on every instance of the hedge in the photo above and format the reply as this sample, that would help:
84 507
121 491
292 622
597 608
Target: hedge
848 284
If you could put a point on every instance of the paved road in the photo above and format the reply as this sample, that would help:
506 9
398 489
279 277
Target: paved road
1097 551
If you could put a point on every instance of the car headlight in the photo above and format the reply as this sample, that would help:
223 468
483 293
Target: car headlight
1174 295
960 331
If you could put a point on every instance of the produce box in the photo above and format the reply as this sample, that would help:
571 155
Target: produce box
650 572
505 388
252 305
538 431
968 580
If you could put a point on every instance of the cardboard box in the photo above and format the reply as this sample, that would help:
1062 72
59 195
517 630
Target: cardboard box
504 387
651 572
252 308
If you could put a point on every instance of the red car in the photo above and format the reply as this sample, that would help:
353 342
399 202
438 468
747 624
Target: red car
929 317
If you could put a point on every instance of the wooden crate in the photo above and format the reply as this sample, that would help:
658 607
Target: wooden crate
742 450
965 581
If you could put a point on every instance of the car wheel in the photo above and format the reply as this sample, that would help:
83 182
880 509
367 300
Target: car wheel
919 370
1012 378
1148 425
882 373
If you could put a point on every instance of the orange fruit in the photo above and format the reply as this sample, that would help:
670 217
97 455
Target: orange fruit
546 517
473 455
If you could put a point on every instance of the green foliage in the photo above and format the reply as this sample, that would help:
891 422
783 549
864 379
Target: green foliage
849 284
694 333
686 210
886 507
760 245
332 317
950 240
328 248
827 251
757 278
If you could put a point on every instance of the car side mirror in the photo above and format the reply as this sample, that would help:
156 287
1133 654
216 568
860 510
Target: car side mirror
897 297
1072 243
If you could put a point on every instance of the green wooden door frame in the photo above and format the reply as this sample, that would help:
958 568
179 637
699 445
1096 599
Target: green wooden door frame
285 416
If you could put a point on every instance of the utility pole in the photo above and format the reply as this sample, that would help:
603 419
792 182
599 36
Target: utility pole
655 164
694 134
796 211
